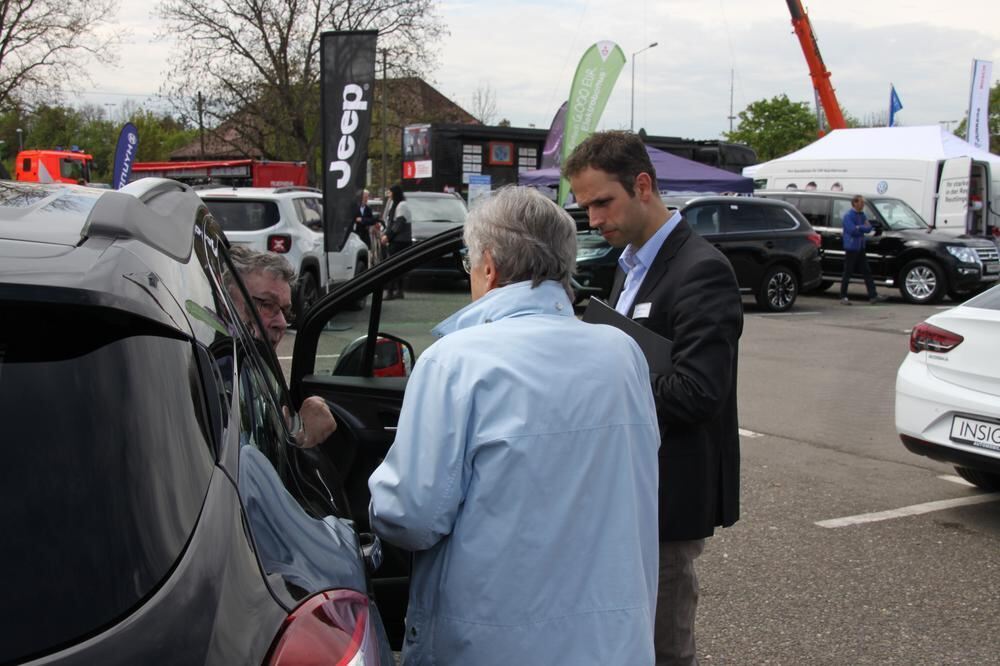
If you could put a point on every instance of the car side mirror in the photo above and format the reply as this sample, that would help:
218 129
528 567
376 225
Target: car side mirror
877 226
393 357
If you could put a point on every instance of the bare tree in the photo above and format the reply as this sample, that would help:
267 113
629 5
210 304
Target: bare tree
257 65
45 44
484 104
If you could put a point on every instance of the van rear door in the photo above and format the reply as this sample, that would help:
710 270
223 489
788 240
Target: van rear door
953 195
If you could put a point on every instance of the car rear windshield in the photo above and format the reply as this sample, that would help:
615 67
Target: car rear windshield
106 463
243 214
436 209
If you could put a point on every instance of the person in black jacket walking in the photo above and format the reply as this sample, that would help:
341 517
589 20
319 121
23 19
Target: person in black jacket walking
398 234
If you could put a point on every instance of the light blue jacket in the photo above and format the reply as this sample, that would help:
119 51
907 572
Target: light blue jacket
524 475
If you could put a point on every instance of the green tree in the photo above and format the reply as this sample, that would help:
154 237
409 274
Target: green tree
994 116
775 127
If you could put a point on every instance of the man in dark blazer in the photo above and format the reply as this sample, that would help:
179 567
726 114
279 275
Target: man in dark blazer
675 283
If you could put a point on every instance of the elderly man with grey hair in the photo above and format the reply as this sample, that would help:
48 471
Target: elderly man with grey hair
524 471
269 278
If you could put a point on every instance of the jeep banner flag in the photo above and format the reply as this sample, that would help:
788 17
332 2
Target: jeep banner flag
128 144
977 129
348 85
595 77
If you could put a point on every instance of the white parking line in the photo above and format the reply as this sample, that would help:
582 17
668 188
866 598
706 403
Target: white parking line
914 510
956 479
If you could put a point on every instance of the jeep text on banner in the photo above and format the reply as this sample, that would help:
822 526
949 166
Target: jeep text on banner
128 145
348 85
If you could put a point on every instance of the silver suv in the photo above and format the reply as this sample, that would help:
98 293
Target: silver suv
288 221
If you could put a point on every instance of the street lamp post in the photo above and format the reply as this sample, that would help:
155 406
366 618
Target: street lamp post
20 139
632 122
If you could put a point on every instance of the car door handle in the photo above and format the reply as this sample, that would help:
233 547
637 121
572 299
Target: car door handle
389 428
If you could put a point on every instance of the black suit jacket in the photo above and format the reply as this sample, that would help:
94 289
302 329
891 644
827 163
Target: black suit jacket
694 301
367 220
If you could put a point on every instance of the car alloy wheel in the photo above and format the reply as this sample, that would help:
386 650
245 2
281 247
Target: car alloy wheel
922 282
778 290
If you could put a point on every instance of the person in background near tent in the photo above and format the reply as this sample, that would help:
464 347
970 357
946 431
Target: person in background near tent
364 219
855 228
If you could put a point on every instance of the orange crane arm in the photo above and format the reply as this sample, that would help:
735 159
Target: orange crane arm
817 70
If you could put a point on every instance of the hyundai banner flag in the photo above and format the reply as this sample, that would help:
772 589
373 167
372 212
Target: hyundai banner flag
348 85
894 105
128 144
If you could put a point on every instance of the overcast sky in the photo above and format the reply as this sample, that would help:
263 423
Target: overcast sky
526 52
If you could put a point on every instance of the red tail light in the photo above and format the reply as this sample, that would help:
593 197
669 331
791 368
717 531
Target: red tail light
815 239
925 337
279 243
330 628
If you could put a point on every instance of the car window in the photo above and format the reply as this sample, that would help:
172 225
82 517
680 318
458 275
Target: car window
704 220
436 209
310 211
898 214
244 214
840 208
815 209
105 436
779 218
744 218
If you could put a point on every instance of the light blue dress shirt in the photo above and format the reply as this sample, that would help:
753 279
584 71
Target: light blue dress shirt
524 476
635 263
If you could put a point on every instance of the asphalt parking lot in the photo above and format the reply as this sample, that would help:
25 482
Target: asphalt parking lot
850 550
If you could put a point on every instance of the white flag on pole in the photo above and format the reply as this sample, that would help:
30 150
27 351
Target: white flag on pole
977 131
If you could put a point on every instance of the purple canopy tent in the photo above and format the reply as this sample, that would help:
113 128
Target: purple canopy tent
673 174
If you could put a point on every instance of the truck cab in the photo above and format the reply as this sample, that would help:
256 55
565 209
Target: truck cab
54 166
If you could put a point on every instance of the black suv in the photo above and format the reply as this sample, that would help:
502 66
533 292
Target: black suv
903 251
154 506
773 249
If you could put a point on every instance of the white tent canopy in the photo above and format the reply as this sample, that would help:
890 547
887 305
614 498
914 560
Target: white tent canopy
930 142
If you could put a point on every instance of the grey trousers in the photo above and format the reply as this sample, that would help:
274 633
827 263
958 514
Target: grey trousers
676 603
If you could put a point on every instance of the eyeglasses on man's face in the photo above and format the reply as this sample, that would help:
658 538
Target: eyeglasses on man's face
269 308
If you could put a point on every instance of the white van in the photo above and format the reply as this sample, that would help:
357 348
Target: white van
945 179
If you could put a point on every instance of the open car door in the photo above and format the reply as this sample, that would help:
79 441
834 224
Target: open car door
358 360
953 195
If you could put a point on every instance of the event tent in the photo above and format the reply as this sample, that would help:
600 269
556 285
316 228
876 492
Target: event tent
926 142
673 174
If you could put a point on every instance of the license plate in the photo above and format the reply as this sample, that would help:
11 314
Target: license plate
992 268
984 434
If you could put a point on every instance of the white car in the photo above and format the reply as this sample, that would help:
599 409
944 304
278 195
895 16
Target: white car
948 390
288 221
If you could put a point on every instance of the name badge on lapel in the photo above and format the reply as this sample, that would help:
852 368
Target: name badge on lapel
641 311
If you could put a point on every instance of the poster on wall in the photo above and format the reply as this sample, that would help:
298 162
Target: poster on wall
479 188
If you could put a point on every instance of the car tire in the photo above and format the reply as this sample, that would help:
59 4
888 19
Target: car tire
922 281
778 290
360 266
306 295
984 480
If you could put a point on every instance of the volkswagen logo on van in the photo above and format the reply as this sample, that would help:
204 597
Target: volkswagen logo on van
882 187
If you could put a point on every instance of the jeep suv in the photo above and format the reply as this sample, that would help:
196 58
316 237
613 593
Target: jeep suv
288 221
154 506
903 252
772 248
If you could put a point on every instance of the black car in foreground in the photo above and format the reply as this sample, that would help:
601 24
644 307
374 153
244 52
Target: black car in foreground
155 508
774 251
903 252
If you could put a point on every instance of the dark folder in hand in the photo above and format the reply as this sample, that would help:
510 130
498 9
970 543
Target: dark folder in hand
654 346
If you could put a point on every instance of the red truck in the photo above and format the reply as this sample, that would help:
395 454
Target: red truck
239 173
53 166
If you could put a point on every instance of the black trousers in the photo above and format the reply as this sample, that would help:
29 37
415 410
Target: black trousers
856 260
